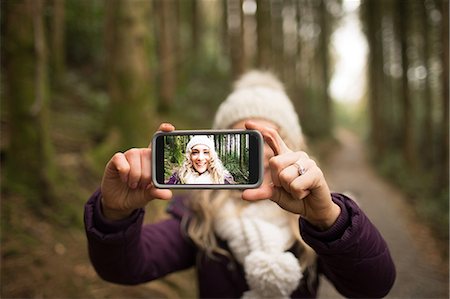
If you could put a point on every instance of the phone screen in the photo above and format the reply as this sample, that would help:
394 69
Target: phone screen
207 159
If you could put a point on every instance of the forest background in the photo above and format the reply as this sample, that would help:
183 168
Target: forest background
81 80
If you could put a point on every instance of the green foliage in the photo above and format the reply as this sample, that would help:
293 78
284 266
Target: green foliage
238 171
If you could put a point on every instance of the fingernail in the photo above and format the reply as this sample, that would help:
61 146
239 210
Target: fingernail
134 185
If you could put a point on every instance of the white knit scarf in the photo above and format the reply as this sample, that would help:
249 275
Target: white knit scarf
258 236
193 177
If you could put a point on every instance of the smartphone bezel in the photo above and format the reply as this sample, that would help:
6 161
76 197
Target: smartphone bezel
255 143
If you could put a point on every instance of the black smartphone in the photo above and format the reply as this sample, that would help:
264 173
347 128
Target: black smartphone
207 159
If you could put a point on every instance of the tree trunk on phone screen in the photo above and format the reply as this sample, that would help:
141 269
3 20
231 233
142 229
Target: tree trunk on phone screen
29 166
127 43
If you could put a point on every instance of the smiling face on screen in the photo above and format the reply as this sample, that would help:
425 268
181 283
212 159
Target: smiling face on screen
200 157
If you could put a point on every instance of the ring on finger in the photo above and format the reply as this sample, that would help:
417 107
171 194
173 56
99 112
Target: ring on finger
301 169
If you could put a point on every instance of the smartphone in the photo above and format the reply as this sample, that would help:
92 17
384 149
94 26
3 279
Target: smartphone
207 159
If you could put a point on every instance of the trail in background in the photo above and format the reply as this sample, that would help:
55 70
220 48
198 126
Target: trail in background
420 271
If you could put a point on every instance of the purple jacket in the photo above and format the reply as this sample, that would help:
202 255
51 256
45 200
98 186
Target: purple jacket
351 254
175 179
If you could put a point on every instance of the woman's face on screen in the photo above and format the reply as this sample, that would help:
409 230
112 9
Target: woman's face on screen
200 157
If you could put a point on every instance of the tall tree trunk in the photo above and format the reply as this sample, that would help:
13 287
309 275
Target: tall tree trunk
277 37
195 26
164 13
263 26
407 108
235 35
131 109
324 41
29 165
427 141
371 15
57 49
445 95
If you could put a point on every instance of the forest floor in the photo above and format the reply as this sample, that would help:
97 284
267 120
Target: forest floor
47 258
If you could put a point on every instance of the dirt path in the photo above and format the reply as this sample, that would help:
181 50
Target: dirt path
420 271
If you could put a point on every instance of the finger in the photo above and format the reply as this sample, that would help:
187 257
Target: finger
263 192
290 173
134 159
270 136
302 186
166 127
278 163
119 164
146 177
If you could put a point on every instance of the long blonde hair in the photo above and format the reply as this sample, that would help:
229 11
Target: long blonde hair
215 168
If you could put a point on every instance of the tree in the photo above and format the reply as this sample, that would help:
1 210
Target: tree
57 40
263 31
445 96
29 164
235 35
131 108
166 44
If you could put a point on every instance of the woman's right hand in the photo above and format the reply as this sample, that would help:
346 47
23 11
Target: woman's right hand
127 182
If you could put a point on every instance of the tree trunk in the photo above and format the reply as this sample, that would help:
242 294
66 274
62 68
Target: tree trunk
277 37
235 35
372 16
29 165
324 41
407 108
131 109
58 50
264 42
427 141
164 14
445 96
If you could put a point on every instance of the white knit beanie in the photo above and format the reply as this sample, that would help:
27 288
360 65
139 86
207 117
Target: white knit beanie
200 139
259 94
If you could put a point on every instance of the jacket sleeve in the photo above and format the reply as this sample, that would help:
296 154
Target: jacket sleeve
352 253
127 252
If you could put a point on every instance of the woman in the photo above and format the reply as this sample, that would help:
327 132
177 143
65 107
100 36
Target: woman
273 244
201 164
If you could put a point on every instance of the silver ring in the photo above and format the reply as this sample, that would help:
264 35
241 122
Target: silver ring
301 169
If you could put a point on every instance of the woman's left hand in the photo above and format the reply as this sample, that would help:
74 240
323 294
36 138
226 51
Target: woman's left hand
295 182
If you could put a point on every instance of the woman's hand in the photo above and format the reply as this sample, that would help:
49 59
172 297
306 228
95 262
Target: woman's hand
127 182
294 182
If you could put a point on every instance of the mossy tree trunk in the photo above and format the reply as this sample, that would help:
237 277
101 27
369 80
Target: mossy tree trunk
131 113
29 166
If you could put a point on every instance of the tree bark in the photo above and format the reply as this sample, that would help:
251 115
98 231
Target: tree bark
407 108
164 14
264 41
445 95
29 164
235 35
57 49
131 110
